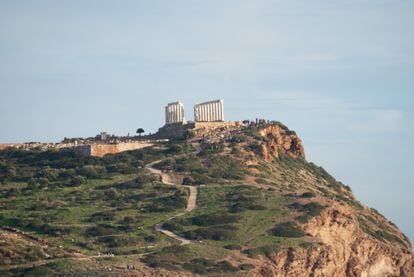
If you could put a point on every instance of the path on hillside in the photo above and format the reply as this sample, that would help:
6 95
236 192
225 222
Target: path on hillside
191 204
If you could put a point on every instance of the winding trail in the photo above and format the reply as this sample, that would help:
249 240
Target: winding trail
191 204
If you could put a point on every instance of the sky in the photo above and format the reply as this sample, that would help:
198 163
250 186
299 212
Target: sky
339 73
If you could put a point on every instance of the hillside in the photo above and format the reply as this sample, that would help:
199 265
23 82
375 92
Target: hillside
241 202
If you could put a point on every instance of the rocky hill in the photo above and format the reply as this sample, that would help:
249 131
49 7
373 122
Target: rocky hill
234 202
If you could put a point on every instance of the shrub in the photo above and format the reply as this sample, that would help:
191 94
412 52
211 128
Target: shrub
167 204
77 180
174 149
287 229
308 195
188 180
223 232
150 239
311 209
172 226
214 219
263 250
49 173
225 266
101 230
226 168
111 194
254 147
200 179
239 138
195 268
233 247
101 216
246 267
92 171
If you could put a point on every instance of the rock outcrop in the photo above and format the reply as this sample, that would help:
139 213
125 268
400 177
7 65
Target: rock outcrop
344 250
280 139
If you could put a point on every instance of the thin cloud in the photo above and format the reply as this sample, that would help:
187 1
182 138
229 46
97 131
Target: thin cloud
384 121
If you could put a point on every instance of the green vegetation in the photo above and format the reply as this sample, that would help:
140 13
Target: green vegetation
198 259
267 250
378 230
311 209
225 167
245 206
87 203
288 230
234 217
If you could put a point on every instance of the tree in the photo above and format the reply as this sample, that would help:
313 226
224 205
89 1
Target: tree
140 131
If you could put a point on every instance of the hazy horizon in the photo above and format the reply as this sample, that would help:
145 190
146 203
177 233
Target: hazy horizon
339 73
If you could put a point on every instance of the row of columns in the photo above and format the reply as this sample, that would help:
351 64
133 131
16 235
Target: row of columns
209 111
174 113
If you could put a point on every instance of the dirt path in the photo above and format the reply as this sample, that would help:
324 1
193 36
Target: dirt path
191 204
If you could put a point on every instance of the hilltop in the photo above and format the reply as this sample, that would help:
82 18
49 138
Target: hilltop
234 200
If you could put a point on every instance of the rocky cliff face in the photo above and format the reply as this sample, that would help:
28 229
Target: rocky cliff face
280 139
344 250
352 240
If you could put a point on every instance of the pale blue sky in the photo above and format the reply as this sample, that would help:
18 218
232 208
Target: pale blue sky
340 73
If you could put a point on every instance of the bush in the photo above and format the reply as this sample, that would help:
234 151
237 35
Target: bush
172 226
174 149
255 148
308 195
223 232
195 268
167 204
101 230
102 216
111 194
311 209
263 250
49 173
225 266
150 239
122 167
201 179
225 168
287 229
188 181
233 247
246 267
77 180
239 138
92 171
214 219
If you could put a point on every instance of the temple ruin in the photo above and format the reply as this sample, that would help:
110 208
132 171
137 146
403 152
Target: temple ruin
174 113
212 111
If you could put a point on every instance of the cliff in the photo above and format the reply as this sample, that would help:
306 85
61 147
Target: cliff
351 239
344 249
280 139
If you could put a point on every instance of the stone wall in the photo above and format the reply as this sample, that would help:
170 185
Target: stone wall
213 125
7 145
100 150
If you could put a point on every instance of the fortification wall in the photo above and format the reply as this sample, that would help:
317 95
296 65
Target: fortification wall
100 150
7 145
